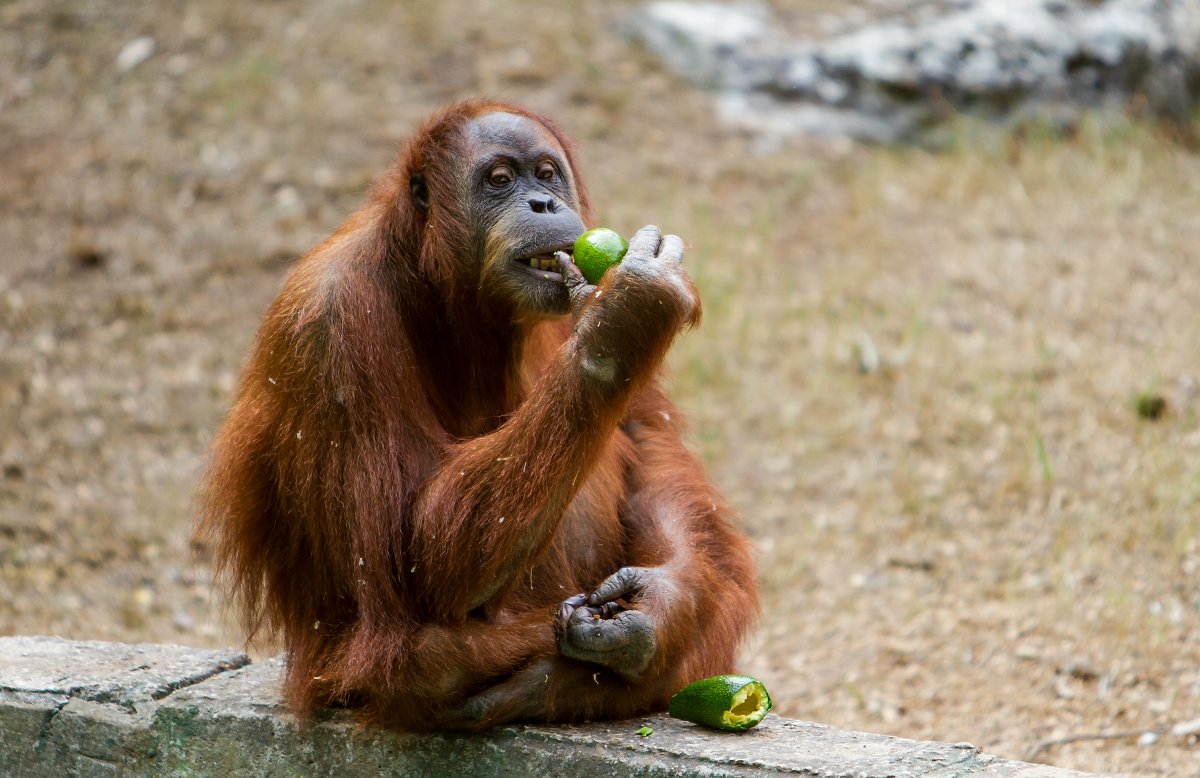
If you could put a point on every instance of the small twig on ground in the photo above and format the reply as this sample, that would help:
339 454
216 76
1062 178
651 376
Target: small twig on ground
1046 745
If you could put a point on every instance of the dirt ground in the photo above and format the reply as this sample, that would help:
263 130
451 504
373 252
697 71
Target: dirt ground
975 538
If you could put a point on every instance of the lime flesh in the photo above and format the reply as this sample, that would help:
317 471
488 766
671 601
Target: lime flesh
733 703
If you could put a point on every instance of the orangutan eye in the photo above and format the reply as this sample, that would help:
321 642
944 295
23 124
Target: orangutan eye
500 176
546 171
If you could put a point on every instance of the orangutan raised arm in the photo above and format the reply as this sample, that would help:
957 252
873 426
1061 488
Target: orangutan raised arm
498 498
447 471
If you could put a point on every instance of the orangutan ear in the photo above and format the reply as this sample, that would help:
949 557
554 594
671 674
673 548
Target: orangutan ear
420 192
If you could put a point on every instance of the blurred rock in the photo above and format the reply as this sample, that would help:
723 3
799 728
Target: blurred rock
890 79
135 53
182 620
287 199
1185 728
710 43
179 65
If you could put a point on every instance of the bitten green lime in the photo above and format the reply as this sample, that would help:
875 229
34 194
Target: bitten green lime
733 703
597 250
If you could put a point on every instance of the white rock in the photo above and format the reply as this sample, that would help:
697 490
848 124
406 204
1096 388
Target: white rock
1185 728
711 25
697 39
882 79
287 199
135 53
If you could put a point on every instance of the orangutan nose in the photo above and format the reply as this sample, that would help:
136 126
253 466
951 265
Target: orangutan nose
543 205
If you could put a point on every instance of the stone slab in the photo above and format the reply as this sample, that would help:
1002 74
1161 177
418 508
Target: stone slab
211 722
107 709
87 708
106 672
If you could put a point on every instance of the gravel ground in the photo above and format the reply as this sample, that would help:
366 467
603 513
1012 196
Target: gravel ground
917 376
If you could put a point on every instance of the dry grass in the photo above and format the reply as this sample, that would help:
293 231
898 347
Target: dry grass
982 541
978 541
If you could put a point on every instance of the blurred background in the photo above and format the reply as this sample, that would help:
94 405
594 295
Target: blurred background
947 374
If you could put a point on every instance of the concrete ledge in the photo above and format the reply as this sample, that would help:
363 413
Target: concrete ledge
110 709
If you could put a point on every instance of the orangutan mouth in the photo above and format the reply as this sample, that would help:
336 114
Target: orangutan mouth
545 263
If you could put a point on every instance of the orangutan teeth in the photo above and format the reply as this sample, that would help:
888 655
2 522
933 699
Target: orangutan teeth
543 262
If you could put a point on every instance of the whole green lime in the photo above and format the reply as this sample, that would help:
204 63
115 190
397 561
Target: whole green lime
597 250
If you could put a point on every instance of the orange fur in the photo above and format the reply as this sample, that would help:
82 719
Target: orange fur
409 482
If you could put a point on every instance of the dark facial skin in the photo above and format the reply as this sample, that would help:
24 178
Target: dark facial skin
520 194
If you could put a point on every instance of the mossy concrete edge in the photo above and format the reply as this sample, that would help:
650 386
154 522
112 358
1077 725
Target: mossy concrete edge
112 709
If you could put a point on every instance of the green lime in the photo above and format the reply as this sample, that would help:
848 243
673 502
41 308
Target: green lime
730 702
597 250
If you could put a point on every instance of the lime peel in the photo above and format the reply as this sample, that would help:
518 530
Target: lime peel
733 703
597 250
